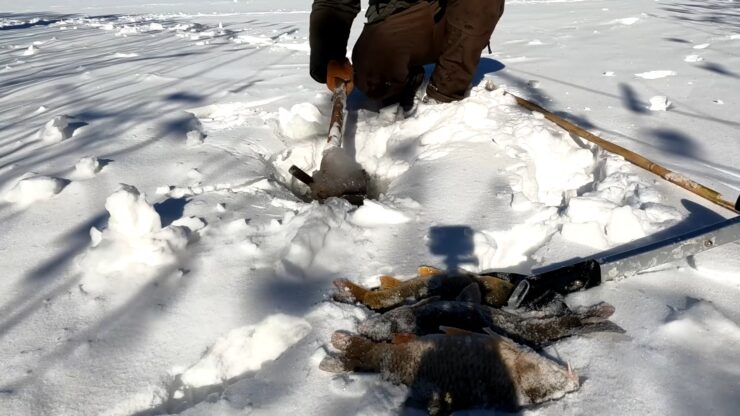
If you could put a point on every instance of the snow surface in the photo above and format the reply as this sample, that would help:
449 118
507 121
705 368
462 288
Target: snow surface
200 287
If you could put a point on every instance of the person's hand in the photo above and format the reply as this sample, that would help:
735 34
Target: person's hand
340 71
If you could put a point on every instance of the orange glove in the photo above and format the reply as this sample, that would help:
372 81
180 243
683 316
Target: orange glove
340 71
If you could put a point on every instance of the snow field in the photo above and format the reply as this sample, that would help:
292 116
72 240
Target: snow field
141 298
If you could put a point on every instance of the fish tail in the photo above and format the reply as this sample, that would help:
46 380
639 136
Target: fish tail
598 312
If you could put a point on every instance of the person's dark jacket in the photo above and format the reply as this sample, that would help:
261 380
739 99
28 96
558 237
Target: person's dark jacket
330 24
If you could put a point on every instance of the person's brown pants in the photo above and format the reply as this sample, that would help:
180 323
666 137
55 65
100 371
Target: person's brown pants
391 51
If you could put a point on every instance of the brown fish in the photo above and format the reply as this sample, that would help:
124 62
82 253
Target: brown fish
493 289
458 370
535 329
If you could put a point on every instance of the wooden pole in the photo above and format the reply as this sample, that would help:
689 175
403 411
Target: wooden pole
336 123
636 159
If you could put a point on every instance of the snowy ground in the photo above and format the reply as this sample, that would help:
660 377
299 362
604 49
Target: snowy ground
206 268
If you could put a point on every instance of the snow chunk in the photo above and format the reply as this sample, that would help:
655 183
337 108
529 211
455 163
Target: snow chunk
659 103
32 50
702 46
57 129
131 216
501 249
624 226
590 209
374 214
134 244
656 74
627 21
31 188
87 167
245 349
560 165
608 73
590 234
693 58
195 134
301 121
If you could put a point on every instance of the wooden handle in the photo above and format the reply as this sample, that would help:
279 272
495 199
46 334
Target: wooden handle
336 123
636 159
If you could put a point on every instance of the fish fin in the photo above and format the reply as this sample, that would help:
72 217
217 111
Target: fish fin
335 364
349 292
425 301
403 338
387 282
601 310
471 294
428 271
452 331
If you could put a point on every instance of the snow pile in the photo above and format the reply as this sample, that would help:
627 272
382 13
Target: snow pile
622 205
134 244
87 167
560 165
194 133
375 214
57 129
246 349
32 188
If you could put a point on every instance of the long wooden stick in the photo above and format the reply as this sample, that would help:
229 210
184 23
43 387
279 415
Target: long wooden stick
673 177
336 122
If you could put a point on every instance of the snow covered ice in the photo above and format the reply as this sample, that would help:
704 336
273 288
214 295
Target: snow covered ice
207 271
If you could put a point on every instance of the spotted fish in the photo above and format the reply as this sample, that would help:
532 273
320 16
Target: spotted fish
457 370
493 289
536 329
